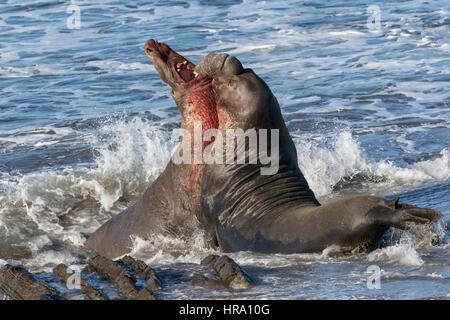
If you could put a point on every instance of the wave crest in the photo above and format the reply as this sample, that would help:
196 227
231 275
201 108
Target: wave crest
343 161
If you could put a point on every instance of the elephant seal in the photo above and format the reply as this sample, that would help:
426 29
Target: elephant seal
244 210
171 205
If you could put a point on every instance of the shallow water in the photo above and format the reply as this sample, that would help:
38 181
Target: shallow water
86 122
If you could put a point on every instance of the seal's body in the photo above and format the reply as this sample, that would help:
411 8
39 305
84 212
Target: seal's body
171 205
245 210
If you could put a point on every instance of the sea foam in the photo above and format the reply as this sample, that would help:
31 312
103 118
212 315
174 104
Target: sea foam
325 166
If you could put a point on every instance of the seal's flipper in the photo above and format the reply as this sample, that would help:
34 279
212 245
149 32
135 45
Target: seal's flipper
399 218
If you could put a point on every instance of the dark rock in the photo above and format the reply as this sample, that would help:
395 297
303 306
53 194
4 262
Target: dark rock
87 270
436 298
90 293
118 274
145 294
3 296
153 282
16 283
15 253
228 271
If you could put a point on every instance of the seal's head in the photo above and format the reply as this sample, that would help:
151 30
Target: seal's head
172 67
191 91
194 96
243 99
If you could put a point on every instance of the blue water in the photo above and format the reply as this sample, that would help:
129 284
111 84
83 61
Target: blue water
86 122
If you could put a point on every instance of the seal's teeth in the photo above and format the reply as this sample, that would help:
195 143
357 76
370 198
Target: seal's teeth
195 74
184 62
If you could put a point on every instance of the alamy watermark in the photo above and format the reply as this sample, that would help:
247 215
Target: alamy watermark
230 146
73 281
374 21
374 279
74 20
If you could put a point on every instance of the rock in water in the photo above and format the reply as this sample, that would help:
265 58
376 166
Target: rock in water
153 282
17 283
90 293
229 272
118 274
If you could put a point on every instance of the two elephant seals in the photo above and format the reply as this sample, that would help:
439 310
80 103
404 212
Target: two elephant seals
241 208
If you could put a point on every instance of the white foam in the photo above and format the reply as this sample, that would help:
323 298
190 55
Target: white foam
252 48
140 153
308 99
160 249
324 166
46 260
118 67
418 237
399 254
37 137
45 143
130 156
19 72
345 33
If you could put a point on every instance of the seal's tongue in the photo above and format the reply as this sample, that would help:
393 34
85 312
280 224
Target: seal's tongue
185 73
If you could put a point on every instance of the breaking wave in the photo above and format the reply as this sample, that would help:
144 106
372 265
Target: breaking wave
64 205
343 161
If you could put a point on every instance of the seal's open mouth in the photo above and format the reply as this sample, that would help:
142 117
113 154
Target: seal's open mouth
171 65
184 71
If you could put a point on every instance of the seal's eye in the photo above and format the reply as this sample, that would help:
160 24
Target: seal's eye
232 83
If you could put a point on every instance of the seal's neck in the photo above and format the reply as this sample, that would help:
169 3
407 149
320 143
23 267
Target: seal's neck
199 109
267 194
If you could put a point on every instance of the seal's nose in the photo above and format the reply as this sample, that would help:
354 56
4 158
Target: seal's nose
149 45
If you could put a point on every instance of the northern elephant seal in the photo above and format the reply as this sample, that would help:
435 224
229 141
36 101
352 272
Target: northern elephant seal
171 204
278 213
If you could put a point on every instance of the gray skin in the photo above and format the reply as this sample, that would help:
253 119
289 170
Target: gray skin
171 205
244 210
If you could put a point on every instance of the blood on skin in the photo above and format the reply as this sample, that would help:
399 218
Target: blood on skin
202 107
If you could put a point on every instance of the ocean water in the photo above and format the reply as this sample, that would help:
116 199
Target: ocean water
86 122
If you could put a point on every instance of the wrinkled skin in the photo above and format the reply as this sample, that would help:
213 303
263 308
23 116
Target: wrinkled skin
244 210
171 205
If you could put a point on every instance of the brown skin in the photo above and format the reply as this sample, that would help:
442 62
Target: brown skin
171 205
244 210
